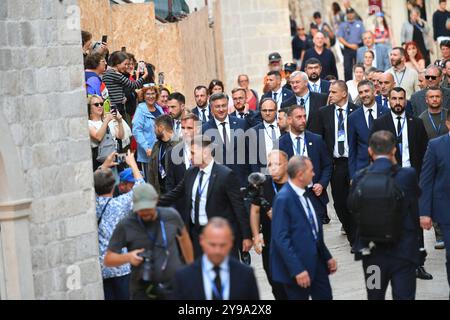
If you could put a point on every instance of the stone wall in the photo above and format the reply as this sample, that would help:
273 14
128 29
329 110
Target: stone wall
43 111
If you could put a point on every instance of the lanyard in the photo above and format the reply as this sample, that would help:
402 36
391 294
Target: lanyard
434 125
401 129
399 83
319 89
306 100
267 132
274 187
344 117
213 285
279 95
304 145
160 157
200 189
153 240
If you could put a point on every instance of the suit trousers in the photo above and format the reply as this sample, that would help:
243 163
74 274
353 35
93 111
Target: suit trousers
277 288
320 288
445 229
340 188
349 61
380 269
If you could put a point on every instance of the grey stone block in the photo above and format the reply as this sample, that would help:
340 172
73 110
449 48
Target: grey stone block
3 10
5 59
15 9
32 9
28 33
90 271
38 258
14 34
28 82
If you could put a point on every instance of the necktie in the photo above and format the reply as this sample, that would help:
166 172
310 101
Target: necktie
197 200
370 118
274 135
204 115
341 127
315 87
242 115
298 146
310 217
399 137
177 126
385 104
302 102
218 283
275 96
224 133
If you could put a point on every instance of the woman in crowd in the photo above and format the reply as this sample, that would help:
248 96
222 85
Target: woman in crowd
369 56
144 125
358 76
216 86
419 31
95 65
99 125
381 31
252 95
116 80
414 58
337 15
164 94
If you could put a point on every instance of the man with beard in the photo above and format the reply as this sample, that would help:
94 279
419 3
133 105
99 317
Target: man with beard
412 143
202 110
158 164
276 91
282 121
239 96
325 57
175 103
405 77
313 69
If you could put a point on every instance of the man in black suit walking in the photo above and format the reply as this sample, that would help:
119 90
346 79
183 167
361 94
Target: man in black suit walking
412 141
277 92
311 100
226 278
333 126
239 96
202 110
210 190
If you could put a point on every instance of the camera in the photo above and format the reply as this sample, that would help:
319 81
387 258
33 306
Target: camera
120 158
147 266
254 192
246 258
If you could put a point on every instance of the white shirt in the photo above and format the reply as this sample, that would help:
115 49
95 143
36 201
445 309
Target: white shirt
227 128
177 131
306 99
203 217
374 113
300 192
268 135
317 88
98 124
336 126
374 50
187 155
406 160
200 112
303 147
209 275
279 98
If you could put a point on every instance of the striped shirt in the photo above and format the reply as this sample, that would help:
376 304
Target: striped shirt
116 82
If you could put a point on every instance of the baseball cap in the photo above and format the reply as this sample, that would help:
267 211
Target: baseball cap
275 56
144 197
127 176
350 10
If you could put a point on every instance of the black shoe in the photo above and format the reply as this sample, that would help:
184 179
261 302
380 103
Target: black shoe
422 274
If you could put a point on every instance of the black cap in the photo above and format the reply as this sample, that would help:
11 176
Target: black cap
350 10
275 56
290 67
317 15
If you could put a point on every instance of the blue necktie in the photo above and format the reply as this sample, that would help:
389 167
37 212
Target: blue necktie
275 96
385 104
204 115
370 119
298 146
311 218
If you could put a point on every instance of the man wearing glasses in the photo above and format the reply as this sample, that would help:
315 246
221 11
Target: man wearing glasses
433 77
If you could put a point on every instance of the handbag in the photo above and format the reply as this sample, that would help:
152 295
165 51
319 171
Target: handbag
106 146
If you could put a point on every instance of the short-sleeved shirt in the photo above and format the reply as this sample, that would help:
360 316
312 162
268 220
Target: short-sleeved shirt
351 31
133 235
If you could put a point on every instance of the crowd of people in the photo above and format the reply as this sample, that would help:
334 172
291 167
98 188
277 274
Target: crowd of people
185 192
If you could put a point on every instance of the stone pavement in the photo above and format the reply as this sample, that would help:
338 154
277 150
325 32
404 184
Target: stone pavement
348 282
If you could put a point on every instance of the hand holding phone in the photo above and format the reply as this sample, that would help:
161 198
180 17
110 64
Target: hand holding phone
104 39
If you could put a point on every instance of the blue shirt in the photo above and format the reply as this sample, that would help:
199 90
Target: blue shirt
209 275
351 31
117 209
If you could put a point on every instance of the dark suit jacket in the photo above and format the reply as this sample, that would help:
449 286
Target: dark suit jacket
175 174
419 105
327 124
188 282
316 101
417 138
153 165
285 94
223 198
253 118
196 112
293 248
358 140
435 181
242 170
317 152
408 245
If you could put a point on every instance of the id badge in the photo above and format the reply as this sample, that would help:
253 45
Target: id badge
341 136
162 172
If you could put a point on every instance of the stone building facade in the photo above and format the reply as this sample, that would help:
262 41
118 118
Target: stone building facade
48 232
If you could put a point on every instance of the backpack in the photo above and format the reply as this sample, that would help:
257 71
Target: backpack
377 206
106 146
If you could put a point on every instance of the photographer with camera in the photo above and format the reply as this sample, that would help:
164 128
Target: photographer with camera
262 192
109 212
151 235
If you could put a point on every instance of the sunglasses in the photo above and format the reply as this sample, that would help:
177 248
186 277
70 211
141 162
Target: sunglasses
431 77
98 104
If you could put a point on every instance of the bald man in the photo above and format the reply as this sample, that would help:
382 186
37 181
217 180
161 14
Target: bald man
387 83
324 55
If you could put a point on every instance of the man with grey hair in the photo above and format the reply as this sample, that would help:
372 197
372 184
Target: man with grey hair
299 257
304 97
380 51
433 77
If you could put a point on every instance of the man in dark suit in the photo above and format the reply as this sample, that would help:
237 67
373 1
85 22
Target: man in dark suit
277 93
210 190
433 78
299 257
395 262
304 143
412 142
387 83
313 68
334 130
227 278
228 134
311 100
202 110
239 96
434 203
359 124
179 159
267 135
